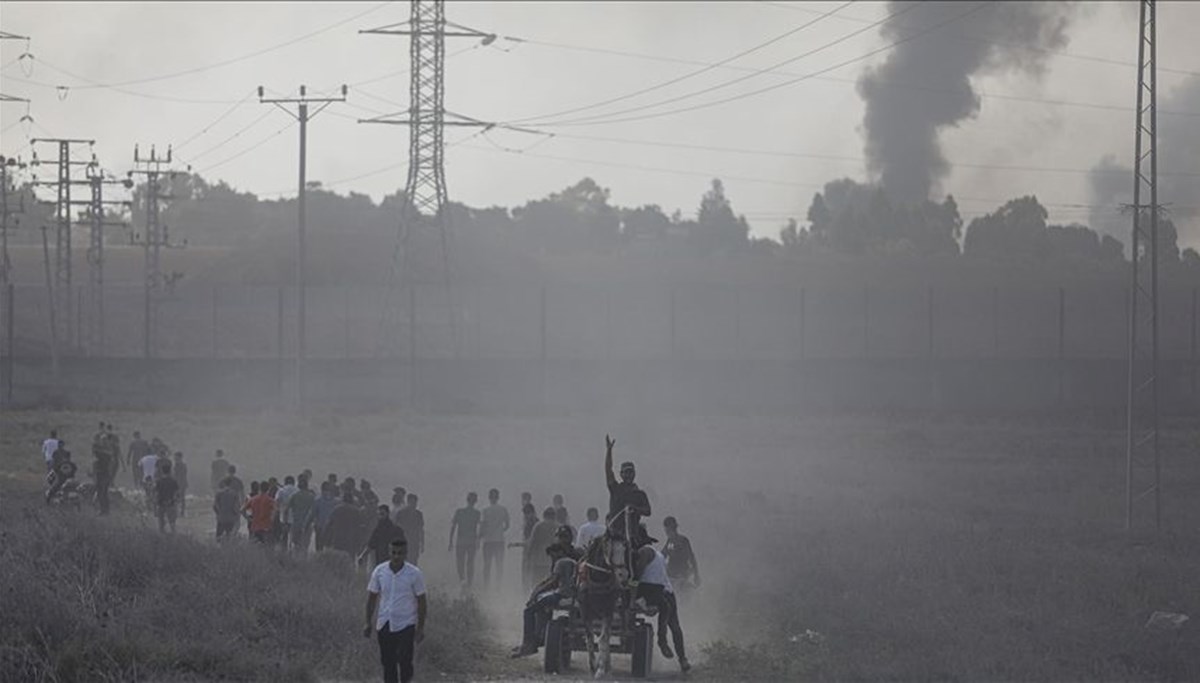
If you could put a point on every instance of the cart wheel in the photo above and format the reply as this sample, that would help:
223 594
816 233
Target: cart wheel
643 650
557 651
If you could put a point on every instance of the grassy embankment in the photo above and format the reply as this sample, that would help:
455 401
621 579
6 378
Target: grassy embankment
913 549
86 599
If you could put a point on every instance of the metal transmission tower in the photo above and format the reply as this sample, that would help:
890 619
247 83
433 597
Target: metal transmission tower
302 115
426 202
1143 497
8 167
61 283
93 331
153 241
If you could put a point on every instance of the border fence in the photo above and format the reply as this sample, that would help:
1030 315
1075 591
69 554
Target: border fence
862 335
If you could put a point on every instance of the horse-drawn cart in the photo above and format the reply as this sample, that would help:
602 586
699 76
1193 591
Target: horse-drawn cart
630 632
604 617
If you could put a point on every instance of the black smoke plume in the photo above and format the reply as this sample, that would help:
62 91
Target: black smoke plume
925 84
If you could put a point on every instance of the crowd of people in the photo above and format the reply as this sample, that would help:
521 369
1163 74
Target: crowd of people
346 515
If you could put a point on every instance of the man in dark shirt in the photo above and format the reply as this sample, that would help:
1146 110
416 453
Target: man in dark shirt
623 494
466 522
104 467
227 506
220 470
166 497
682 568
138 449
412 522
546 594
380 541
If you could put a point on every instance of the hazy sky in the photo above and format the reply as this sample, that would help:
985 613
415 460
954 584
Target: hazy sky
128 82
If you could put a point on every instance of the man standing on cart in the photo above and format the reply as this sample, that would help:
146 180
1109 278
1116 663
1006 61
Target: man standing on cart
623 495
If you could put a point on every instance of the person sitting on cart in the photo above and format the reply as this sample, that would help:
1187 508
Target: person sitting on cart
546 595
654 588
624 496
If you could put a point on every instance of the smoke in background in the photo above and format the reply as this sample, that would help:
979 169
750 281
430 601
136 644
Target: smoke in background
1178 152
925 84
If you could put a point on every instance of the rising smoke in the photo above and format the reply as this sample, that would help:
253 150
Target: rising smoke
1178 186
925 84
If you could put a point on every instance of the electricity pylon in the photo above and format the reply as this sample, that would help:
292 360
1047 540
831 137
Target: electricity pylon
426 202
1143 490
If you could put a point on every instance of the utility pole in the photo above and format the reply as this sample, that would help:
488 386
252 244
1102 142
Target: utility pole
1143 499
93 333
62 278
426 202
302 115
153 241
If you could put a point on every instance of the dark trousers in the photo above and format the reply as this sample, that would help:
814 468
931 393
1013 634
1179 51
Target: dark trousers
182 500
225 529
464 561
668 614
493 553
102 484
536 616
396 650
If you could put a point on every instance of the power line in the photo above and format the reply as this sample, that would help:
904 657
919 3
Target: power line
704 105
849 81
725 84
691 74
226 62
988 41
249 149
830 157
215 121
766 181
233 137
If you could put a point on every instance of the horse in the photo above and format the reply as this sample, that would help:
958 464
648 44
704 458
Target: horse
603 577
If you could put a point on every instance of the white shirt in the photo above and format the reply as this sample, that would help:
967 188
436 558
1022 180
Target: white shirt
149 465
282 496
656 572
587 531
48 447
398 592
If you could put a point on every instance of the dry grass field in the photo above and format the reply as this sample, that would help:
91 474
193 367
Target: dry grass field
832 547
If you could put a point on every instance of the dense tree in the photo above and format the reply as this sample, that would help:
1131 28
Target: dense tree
579 216
716 225
853 218
1018 231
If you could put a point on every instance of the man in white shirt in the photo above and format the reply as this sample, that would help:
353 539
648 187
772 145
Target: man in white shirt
592 528
48 447
397 589
654 587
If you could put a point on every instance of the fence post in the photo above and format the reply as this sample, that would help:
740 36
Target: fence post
929 305
279 341
866 349
346 299
1192 355
996 322
10 345
214 321
412 343
671 337
1062 342
802 322
79 337
542 324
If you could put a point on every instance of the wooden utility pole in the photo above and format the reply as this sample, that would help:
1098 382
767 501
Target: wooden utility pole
302 115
